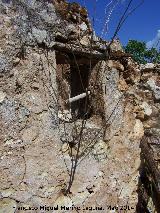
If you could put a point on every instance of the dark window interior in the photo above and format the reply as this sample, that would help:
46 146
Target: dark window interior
77 78
79 84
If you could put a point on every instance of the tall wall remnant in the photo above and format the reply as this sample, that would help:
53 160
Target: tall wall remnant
46 57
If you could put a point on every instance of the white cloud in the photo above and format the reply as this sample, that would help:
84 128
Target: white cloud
154 42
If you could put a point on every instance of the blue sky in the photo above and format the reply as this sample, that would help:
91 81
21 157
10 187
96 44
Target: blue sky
142 25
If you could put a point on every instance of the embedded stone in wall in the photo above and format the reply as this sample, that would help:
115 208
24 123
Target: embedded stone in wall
138 131
39 35
2 96
154 87
29 134
147 108
33 102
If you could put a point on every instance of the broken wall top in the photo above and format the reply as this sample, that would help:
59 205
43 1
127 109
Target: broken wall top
55 24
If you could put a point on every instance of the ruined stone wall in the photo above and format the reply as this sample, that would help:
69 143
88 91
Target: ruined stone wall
28 108
36 155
